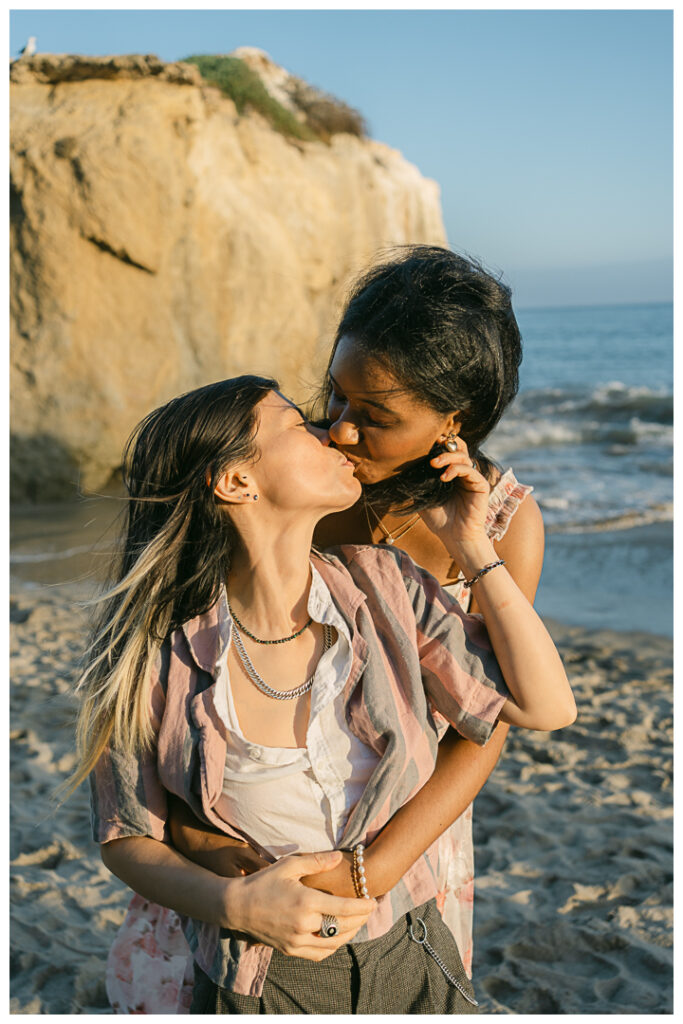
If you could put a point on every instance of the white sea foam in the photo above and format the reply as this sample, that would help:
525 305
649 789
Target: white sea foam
661 513
26 557
609 415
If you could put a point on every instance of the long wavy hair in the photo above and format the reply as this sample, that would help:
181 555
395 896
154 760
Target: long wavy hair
444 328
174 554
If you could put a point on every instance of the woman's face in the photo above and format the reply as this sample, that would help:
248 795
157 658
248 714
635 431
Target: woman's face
376 423
298 469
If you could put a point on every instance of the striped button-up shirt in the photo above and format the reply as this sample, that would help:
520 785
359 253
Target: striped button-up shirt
416 657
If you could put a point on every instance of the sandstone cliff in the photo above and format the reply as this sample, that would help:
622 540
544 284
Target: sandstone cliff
160 241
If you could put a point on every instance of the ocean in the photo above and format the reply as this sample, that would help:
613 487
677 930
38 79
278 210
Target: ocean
591 429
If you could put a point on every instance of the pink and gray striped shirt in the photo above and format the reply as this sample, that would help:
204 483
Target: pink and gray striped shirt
416 656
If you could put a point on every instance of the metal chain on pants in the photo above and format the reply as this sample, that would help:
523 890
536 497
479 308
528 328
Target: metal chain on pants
437 959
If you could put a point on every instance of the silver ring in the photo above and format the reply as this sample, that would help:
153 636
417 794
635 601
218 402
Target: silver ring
329 926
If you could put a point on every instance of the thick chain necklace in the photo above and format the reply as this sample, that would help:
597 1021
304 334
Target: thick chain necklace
282 640
389 538
261 684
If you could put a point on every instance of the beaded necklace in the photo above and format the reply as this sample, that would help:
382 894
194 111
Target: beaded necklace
282 640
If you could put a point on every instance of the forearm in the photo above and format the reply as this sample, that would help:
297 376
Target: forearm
532 668
461 770
206 846
161 874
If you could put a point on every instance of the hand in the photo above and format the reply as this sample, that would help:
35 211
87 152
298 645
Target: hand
461 521
236 860
224 855
338 881
273 907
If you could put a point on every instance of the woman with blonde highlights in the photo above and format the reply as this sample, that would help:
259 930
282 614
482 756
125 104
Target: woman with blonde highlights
292 700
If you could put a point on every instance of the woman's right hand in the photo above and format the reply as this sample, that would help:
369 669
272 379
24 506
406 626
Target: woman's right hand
274 907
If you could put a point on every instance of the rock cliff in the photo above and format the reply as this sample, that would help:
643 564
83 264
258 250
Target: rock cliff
160 241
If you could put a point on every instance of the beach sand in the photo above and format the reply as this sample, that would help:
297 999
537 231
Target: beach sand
573 837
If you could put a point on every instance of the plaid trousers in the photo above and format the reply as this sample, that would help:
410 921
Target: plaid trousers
391 974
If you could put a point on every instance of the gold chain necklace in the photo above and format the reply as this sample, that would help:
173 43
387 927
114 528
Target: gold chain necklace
388 538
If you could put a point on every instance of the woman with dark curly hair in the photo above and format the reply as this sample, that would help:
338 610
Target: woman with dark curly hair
424 362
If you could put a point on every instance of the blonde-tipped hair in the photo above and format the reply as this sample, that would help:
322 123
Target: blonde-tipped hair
174 556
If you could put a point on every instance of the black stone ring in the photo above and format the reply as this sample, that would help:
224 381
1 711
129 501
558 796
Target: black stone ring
329 926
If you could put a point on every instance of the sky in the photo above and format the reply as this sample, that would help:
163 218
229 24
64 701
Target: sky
549 132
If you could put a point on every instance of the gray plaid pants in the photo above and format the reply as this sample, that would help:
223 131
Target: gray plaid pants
392 974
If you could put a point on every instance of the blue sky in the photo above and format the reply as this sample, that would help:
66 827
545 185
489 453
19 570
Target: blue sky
549 132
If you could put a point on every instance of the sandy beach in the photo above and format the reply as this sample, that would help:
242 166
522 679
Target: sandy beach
573 837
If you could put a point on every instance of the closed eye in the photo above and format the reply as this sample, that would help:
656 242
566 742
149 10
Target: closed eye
363 415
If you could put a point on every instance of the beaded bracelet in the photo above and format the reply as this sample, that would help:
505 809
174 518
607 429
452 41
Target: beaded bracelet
482 572
358 873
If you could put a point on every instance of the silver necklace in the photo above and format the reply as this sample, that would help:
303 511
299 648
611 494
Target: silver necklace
262 685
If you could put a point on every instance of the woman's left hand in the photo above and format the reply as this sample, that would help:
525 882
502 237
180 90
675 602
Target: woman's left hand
463 518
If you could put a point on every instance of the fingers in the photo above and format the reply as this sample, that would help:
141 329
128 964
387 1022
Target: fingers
449 461
249 862
459 465
347 925
343 906
298 864
312 946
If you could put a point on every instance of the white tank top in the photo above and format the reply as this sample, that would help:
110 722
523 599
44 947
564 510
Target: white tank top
297 800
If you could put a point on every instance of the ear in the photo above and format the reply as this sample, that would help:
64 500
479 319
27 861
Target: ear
234 487
451 425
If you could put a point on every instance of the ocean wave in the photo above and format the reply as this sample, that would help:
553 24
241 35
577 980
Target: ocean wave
610 401
661 513
26 557
518 434
614 416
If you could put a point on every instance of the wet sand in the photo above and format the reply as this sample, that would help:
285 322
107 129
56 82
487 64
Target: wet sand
573 836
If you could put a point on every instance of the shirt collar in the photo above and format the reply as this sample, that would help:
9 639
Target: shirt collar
208 634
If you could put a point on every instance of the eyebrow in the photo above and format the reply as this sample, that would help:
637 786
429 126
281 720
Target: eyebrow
368 401
295 408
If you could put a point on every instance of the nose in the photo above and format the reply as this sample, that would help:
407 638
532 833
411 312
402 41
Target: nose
342 432
322 434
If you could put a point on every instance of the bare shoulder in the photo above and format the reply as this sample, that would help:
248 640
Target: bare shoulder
525 528
522 548
523 545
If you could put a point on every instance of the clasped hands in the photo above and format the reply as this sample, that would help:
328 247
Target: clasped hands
280 904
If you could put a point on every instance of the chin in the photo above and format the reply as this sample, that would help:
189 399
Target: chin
367 475
353 490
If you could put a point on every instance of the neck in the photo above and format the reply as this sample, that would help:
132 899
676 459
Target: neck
270 579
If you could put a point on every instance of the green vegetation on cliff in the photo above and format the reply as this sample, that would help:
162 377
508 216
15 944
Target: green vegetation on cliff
245 89
324 114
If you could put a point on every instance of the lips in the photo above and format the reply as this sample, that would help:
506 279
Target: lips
349 458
